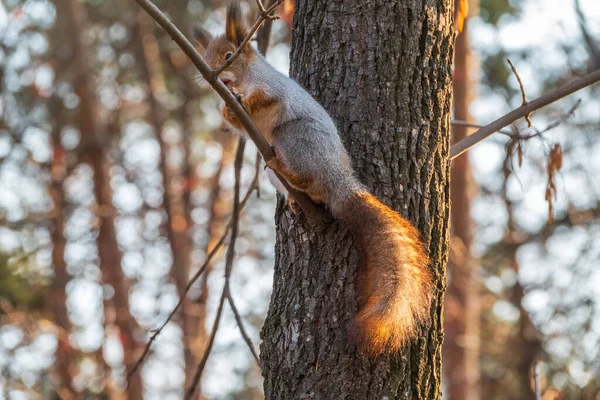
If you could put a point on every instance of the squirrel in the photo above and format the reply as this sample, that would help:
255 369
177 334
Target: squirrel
395 285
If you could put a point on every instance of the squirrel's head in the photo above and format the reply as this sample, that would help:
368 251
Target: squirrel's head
218 50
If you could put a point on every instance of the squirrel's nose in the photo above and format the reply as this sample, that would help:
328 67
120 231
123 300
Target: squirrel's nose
226 81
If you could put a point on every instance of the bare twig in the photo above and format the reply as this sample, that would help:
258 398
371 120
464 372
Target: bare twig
314 214
536 380
514 70
239 158
548 98
257 166
524 97
211 341
264 33
590 42
519 136
263 16
240 324
468 124
209 257
563 119
260 5
157 331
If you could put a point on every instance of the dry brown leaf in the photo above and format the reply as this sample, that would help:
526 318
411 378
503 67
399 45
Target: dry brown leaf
554 164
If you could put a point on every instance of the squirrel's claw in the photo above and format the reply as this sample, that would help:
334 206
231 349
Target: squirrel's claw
272 163
293 205
238 96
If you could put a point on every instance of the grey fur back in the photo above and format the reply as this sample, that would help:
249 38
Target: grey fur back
310 135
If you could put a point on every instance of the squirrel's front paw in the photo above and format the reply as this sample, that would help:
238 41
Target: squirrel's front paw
238 96
227 113
274 164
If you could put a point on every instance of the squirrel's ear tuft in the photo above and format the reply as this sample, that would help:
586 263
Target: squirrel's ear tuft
202 36
235 29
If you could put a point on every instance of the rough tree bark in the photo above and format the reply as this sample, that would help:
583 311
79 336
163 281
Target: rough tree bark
383 71
461 311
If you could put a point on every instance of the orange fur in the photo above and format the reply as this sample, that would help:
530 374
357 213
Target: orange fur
258 101
301 183
395 285
261 108
230 117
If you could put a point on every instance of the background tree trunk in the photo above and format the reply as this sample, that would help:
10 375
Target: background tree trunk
383 71
57 295
116 306
527 344
461 311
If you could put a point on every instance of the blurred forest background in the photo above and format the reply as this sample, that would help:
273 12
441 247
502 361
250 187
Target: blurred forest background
116 181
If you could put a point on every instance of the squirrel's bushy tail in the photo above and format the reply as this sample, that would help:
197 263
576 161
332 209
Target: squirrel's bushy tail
395 285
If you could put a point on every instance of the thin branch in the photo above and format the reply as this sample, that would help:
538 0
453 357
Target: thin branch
590 42
314 214
536 380
263 16
467 124
157 332
548 98
260 5
239 158
257 166
514 70
264 33
563 119
519 136
524 97
240 324
211 341
210 256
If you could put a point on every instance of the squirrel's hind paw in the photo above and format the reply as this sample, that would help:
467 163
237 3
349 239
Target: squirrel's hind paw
294 207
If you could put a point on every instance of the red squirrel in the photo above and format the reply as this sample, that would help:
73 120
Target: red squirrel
395 285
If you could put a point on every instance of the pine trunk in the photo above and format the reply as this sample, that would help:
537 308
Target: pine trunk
383 71
461 314
116 307
57 296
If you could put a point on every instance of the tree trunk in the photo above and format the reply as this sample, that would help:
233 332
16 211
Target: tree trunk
383 71
527 345
57 296
116 308
461 311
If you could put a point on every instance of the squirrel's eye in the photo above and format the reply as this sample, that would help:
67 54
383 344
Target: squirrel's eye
228 56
